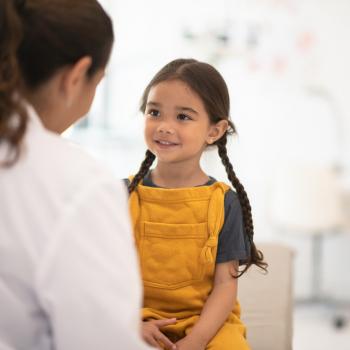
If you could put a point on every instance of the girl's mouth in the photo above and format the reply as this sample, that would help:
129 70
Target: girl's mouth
165 144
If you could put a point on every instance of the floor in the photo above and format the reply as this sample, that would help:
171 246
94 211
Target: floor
314 330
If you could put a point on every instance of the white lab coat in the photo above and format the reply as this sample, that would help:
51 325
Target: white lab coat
69 278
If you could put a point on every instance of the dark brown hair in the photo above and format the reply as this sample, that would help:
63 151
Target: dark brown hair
37 38
207 82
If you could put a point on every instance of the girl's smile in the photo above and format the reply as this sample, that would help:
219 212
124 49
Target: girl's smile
177 124
165 144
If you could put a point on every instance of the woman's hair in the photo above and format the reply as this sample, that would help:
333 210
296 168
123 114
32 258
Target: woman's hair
37 38
207 82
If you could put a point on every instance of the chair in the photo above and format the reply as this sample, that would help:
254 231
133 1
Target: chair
308 200
266 300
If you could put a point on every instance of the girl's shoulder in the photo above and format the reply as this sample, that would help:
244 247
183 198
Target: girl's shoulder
229 191
126 182
231 196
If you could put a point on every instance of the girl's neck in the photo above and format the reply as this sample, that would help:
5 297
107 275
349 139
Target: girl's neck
178 175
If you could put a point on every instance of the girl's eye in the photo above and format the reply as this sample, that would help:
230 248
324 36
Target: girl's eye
153 113
183 117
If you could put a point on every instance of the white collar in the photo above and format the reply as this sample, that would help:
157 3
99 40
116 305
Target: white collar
33 116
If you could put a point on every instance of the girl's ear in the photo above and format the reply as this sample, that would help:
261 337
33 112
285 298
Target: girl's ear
73 78
216 131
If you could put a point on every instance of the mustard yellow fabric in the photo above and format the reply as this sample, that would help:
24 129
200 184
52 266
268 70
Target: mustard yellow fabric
176 233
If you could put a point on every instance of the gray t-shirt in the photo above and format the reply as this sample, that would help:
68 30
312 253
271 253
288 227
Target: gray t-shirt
233 243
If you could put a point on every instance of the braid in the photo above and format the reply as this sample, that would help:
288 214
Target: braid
145 165
256 257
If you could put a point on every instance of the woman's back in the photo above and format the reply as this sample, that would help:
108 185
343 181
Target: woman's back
47 201
68 267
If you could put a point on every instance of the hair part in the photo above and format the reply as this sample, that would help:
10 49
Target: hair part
37 38
210 86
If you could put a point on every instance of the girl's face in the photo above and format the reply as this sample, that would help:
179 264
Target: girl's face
177 125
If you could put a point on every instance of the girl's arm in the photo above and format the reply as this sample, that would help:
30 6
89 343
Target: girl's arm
216 309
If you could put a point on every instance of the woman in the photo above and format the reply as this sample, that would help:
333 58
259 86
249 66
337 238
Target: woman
68 270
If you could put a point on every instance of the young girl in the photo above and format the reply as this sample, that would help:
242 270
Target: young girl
192 232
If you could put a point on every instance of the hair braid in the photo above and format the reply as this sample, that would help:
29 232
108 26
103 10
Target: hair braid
256 257
145 165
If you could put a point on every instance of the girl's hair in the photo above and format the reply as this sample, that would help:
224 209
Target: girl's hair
207 82
37 38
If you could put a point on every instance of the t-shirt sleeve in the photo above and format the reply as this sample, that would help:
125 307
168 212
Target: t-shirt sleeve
233 243
126 182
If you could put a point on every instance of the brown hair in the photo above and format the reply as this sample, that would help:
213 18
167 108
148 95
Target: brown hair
38 37
207 82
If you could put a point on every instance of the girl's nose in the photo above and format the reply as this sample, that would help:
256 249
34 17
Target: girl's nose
165 128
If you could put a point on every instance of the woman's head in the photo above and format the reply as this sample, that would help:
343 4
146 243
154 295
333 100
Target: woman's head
206 87
40 39
57 33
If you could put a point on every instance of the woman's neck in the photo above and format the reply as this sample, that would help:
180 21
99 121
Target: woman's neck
48 107
178 175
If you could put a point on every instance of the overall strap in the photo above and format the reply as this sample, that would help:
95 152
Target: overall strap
216 216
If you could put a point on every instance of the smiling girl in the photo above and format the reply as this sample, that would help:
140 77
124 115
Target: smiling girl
192 232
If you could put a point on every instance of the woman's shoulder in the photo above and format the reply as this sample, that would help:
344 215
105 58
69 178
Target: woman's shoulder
58 163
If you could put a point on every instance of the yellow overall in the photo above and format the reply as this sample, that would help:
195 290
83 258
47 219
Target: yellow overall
176 232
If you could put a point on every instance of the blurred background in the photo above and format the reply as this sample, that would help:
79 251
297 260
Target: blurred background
286 63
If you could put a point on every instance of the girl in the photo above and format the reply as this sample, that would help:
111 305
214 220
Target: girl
68 268
192 232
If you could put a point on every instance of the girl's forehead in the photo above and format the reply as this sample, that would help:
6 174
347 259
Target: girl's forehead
173 91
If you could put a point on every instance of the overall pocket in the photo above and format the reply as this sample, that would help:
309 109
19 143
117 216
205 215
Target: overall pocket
170 254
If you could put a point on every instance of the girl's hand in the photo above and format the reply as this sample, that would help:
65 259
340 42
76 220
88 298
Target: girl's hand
153 336
189 343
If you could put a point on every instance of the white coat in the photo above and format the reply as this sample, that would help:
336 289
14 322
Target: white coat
69 277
